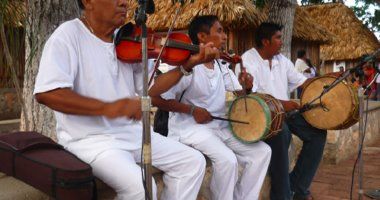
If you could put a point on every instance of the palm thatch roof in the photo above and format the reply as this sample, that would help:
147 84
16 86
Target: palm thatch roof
353 39
13 13
306 28
234 14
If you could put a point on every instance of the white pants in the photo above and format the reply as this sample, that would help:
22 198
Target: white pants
183 166
226 153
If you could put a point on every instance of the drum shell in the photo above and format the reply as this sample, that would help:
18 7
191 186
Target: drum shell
342 104
265 115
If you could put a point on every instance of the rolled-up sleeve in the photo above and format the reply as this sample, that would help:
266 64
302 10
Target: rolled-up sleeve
58 66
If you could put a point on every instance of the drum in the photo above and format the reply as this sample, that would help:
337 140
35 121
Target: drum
340 106
265 115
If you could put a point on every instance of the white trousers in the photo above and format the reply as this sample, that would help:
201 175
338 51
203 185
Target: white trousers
226 153
183 168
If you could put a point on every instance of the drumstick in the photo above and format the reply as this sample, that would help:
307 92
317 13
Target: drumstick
229 120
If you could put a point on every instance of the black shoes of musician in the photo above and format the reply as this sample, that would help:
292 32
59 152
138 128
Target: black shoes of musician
308 197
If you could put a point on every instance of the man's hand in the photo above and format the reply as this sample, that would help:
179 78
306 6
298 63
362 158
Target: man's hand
201 115
290 105
130 108
206 54
246 79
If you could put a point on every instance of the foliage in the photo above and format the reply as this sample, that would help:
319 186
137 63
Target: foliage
308 2
259 3
362 10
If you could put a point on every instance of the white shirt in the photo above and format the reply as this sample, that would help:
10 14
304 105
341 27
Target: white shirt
276 81
301 65
205 88
311 74
75 58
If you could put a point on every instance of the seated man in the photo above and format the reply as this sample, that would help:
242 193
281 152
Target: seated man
203 94
275 74
98 112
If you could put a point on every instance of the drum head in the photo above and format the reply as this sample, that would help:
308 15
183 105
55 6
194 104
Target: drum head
339 104
258 116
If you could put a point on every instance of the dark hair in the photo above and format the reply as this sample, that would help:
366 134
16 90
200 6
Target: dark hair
80 4
201 24
301 53
265 31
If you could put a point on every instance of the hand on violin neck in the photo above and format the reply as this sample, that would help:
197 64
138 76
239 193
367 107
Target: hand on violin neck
207 53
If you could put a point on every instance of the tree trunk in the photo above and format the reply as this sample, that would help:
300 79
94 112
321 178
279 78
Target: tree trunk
44 16
282 12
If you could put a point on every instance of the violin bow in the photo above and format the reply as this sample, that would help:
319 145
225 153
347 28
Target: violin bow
243 85
156 64
243 69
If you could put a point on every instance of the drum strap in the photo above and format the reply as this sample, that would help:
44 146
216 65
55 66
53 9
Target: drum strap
220 68
232 82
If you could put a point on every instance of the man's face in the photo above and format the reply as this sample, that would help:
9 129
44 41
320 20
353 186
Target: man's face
273 46
216 35
112 12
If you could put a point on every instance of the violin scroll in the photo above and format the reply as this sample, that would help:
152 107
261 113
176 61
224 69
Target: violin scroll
231 58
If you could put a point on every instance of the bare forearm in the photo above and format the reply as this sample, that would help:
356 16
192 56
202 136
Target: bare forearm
165 81
171 105
67 101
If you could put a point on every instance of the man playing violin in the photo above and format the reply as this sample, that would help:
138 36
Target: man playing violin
97 108
203 92
274 74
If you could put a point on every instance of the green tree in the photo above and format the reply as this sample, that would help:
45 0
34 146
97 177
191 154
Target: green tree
362 11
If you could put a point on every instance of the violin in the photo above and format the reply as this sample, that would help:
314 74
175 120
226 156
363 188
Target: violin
177 51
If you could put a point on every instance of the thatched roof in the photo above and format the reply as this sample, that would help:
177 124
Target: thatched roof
306 28
353 39
13 13
234 14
